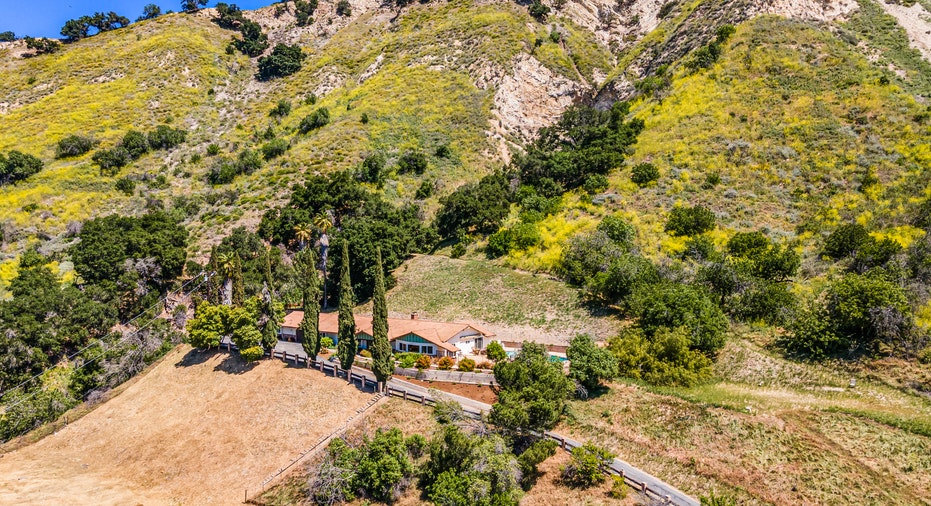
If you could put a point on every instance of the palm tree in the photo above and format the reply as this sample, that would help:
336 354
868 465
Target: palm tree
303 232
226 265
323 223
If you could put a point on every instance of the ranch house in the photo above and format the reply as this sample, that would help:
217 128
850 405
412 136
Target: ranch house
437 339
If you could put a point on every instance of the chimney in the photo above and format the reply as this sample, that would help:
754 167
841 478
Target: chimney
413 316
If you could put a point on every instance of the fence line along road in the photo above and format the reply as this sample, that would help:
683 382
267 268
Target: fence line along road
636 478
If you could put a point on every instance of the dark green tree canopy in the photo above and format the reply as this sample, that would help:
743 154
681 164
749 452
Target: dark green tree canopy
584 141
689 221
304 11
16 166
673 305
589 365
532 391
284 60
74 145
478 207
346 347
150 11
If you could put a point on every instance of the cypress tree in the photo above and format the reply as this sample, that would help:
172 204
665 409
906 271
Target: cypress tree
267 272
346 347
306 264
382 361
270 321
211 287
239 288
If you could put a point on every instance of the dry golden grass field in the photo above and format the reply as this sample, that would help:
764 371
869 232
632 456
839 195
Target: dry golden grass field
196 429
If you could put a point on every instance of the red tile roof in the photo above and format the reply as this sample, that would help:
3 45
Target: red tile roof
434 332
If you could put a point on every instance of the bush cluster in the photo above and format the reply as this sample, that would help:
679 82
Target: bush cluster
16 166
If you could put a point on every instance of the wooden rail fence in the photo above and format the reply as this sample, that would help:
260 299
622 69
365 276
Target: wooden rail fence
566 444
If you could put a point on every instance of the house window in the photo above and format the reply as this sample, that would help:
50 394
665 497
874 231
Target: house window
414 348
428 350
402 346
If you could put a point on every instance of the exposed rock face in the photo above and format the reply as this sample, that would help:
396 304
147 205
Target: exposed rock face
818 10
527 99
917 24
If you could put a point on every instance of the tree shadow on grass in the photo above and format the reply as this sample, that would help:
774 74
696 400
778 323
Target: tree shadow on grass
195 357
234 364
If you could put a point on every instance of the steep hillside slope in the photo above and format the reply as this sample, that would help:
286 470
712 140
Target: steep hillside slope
778 134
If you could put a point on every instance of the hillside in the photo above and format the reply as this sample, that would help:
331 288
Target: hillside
731 196
501 76
195 429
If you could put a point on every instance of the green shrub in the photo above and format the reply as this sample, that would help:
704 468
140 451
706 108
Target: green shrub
343 8
425 190
587 255
478 207
281 109
74 145
595 183
531 458
126 185
587 467
846 240
165 137
499 243
275 148
644 174
7 36
538 10
664 359
249 161
466 365
700 248
532 391
326 343
688 221
868 309
213 150
443 151
457 250
625 274
16 166
672 305
304 11
747 244
494 351
317 119
407 360
372 169
618 487
135 144
111 160
412 161
618 230
813 333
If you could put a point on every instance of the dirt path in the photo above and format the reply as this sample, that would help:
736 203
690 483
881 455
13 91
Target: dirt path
197 429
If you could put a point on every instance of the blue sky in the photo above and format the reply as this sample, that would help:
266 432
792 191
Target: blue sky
44 18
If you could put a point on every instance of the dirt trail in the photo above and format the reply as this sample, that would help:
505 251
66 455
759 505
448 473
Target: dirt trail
195 430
